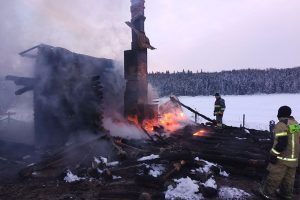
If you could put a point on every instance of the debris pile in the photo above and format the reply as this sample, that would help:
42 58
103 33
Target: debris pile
182 164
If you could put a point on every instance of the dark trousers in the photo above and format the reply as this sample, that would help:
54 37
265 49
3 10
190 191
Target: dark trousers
219 120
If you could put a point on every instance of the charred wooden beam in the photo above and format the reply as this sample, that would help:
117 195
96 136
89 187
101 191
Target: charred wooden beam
234 153
233 160
176 168
146 133
190 109
25 81
149 181
69 157
23 53
23 90
28 83
176 154
239 144
129 195
98 91
122 144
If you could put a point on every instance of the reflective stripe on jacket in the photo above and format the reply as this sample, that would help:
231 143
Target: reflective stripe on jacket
287 127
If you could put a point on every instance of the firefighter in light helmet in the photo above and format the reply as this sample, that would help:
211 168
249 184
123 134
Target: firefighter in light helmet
219 109
284 157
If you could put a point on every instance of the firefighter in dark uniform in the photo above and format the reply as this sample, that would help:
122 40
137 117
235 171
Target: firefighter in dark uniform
283 157
219 109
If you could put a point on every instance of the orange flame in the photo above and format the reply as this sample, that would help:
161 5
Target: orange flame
170 121
171 118
149 124
200 133
133 119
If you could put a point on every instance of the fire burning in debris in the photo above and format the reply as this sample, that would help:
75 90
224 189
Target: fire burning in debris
149 125
133 119
169 121
173 121
200 133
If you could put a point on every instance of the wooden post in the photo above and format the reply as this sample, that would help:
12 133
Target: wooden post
243 120
196 117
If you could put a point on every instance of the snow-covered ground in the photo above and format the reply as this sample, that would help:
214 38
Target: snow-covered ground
258 109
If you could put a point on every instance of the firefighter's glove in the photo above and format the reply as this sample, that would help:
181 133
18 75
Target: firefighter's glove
273 159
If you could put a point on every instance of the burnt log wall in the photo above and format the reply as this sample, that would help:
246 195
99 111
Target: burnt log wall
68 95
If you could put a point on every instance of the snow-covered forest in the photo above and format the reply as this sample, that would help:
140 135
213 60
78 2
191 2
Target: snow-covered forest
235 82
187 83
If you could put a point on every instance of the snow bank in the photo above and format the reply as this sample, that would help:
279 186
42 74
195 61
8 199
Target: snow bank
241 138
156 169
112 164
117 177
70 177
224 173
211 183
232 193
206 168
101 160
151 157
186 189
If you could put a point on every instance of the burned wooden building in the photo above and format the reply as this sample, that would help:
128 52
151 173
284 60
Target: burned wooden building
69 92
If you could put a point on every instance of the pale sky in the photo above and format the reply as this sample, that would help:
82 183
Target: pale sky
212 35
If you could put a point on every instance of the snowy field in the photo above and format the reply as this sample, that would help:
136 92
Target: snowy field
258 109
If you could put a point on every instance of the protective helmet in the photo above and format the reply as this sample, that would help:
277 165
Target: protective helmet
284 111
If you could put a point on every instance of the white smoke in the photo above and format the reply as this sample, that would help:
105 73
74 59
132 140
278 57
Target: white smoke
94 28
122 128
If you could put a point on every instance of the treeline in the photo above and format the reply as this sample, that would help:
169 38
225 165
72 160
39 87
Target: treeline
235 82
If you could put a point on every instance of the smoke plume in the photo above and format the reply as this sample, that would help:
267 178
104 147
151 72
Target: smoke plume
95 28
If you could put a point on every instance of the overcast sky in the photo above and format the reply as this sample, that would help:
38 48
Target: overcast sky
212 35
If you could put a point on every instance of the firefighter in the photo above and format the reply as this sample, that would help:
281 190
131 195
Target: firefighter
283 157
219 109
